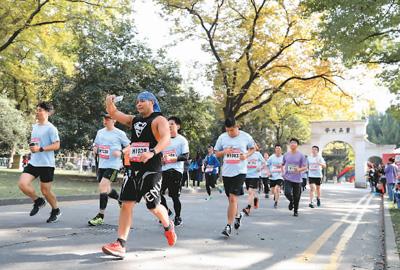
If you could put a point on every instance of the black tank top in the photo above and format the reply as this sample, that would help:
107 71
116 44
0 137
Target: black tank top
142 140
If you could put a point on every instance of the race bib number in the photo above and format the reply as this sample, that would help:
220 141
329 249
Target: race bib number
233 158
170 156
292 168
209 168
137 149
35 142
252 164
314 167
104 151
276 169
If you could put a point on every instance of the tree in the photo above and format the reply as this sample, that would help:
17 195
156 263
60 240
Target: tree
13 126
260 49
383 129
361 32
34 36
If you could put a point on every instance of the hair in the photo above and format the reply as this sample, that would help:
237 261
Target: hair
230 122
176 120
277 145
314 146
45 105
391 159
210 146
294 140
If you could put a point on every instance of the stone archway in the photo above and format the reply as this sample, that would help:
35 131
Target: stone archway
352 132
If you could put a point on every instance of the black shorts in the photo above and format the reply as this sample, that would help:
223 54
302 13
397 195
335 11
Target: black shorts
138 184
314 180
211 179
234 185
273 183
110 174
171 180
252 183
46 174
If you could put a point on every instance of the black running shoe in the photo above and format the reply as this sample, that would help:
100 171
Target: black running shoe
227 231
39 203
238 221
295 214
311 205
54 215
178 221
318 202
275 205
290 206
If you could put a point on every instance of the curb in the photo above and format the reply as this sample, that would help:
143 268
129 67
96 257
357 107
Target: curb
392 255
4 202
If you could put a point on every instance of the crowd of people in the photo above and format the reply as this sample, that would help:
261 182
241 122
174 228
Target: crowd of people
156 161
385 179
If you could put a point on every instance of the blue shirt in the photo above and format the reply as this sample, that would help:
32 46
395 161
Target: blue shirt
274 164
44 135
233 166
314 169
254 164
108 141
178 146
211 164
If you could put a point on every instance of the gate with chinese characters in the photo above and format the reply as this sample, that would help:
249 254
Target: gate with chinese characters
352 132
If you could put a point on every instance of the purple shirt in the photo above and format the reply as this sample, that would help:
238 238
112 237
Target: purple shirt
291 162
390 173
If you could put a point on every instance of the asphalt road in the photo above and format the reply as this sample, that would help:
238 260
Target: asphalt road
344 233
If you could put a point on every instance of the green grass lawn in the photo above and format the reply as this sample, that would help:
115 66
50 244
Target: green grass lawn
65 183
395 213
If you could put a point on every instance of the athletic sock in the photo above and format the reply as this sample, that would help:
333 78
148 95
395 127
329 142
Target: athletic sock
122 242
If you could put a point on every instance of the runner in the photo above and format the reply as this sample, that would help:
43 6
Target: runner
235 146
254 164
265 174
294 164
304 177
315 165
150 135
275 167
173 160
108 146
211 165
44 141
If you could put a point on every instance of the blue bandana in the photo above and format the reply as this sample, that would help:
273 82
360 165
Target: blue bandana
146 95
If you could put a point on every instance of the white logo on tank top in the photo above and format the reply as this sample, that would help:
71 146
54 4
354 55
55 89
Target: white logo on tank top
139 126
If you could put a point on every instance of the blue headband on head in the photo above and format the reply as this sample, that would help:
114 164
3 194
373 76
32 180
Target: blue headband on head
146 95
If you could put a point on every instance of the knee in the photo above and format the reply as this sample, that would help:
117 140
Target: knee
22 184
45 190
232 199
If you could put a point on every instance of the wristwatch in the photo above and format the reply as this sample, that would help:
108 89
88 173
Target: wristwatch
41 149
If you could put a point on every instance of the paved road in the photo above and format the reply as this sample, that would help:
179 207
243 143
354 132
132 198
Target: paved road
342 234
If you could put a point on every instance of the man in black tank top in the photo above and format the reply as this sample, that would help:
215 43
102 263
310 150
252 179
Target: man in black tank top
150 135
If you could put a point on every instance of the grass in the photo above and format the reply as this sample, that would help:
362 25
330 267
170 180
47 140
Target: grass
65 183
395 213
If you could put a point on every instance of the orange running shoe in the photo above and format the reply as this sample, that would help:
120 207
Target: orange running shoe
114 249
170 234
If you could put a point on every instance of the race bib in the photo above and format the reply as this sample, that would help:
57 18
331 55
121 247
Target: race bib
35 142
314 167
276 169
137 148
233 158
209 168
170 156
104 151
252 164
291 168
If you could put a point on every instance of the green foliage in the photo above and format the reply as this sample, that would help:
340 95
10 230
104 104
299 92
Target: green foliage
13 126
337 155
362 31
383 129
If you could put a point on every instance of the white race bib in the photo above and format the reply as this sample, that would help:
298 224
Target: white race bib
292 168
137 148
314 167
209 168
252 164
170 156
233 158
276 169
104 151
